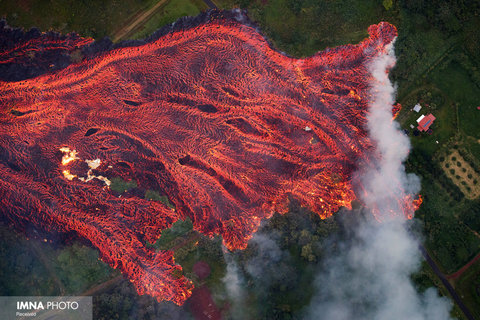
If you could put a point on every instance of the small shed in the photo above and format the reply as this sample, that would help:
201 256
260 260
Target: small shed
417 107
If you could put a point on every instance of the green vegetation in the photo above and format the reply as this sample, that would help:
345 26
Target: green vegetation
471 217
202 248
425 278
438 67
97 19
21 272
297 241
469 285
451 242
171 235
88 18
119 185
169 13
79 267
154 195
35 267
302 27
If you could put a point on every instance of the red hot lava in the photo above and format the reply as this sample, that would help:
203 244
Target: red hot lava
210 116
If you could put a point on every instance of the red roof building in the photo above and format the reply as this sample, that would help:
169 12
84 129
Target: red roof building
424 122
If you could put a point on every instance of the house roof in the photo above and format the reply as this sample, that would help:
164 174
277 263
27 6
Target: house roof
425 123
417 107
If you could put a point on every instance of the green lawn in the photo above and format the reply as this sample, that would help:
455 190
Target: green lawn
450 241
21 272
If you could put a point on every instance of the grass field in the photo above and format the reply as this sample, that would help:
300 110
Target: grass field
169 13
456 83
302 28
88 18
469 286
95 19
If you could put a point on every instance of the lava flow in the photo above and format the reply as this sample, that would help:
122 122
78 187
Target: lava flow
209 116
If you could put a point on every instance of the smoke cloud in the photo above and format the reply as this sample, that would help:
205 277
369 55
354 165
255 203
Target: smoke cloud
368 276
234 286
268 268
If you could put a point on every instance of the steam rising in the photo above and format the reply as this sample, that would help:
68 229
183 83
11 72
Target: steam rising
267 267
369 277
234 285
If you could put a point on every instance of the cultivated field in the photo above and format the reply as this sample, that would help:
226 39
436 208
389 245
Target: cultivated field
462 174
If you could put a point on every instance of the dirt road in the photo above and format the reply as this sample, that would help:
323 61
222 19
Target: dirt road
138 19
460 271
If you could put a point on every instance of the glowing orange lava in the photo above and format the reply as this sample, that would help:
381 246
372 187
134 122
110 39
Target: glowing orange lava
210 116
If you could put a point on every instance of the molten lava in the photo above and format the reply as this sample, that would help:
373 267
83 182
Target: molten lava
210 116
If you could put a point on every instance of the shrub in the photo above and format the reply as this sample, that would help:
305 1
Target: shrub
454 158
457 176
452 171
447 165
469 176
459 164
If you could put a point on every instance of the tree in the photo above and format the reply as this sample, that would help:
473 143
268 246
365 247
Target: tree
387 4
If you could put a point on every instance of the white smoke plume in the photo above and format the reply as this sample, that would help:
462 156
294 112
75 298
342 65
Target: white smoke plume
267 266
234 286
369 277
